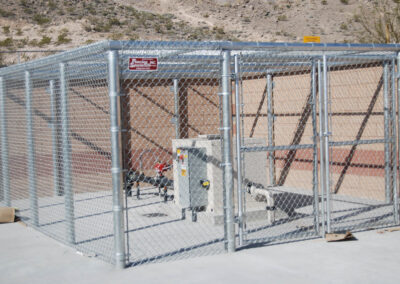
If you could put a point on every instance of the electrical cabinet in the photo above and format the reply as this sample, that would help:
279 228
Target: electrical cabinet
192 177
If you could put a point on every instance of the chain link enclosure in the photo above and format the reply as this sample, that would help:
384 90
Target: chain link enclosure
140 152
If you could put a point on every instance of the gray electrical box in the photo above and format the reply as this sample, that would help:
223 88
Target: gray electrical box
192 177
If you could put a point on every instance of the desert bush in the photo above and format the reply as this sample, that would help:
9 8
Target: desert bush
45 41
40 19
8 42
63 37
380 21
6 30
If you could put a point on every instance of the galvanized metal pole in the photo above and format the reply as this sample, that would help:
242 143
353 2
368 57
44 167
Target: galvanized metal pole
239 152
322 148
396 194
116 158
66 153
56 181
227 150
4 145
386 130
394 143
326 146
176 108
315 149
271 157
33 199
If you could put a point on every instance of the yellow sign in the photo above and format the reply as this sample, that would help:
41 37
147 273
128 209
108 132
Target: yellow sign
315 39
183 173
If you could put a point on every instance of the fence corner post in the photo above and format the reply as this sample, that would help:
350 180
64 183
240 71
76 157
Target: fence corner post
116 158
5 194
31 151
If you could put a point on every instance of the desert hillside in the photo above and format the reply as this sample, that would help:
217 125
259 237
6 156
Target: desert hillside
60 25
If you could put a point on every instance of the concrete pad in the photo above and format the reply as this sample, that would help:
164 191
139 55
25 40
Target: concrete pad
28 256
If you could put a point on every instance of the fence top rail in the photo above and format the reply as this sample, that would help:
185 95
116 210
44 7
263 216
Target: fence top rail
178 48
218 45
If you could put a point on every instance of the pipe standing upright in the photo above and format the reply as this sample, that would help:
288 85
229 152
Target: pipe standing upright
326 144
322 148
315 149
393 153
386 130
33 199
116 158
396 194
238 153
54 126
227 150
4 145
66 153
271 155
176 109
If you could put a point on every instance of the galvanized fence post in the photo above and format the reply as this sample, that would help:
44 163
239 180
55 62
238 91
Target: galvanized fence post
33 199
326 144
227 150
66 153
54 125
116 158
386 130
176 108
395 193
315 149
271 157
393 153
322 148
238 152
4 146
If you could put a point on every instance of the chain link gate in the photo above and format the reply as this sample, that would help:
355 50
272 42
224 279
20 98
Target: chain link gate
360 126
278 147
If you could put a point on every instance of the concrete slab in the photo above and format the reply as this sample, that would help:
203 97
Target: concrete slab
28 256
157 232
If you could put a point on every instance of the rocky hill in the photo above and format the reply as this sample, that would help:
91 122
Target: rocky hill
64 24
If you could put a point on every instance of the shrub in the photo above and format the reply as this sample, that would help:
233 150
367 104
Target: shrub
45 41
63 37
6 14
8 42
282 18
40 19
6 30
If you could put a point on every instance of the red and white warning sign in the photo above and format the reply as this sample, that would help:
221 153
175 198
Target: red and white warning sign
143 63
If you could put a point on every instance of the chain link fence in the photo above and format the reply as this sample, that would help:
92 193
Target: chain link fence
140 152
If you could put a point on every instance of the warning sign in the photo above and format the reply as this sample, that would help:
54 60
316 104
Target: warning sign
143 63
313 39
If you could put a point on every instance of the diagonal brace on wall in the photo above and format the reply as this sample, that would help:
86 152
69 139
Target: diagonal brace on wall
301 126
74 135
259 110
163 108
360 132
